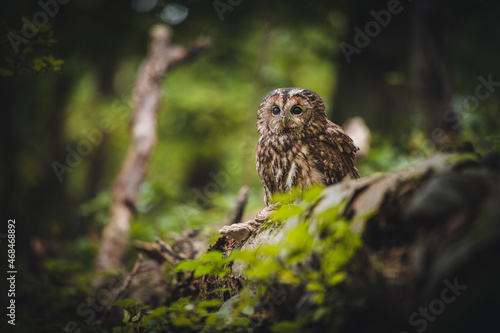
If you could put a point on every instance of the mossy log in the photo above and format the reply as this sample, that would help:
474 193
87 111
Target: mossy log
430 235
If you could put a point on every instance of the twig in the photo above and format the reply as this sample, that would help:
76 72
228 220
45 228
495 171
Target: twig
236 212
124 287
168 252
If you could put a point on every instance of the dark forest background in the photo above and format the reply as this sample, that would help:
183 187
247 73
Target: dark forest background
415 84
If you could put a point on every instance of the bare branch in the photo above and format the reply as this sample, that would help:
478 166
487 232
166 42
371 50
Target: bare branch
146 98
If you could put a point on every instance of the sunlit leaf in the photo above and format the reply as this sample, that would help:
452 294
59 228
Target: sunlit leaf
187 265
313 193
126 316
203 270
210 303
337 278
286 211
211 256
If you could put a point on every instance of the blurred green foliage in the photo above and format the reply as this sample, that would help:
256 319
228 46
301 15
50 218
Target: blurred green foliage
26 60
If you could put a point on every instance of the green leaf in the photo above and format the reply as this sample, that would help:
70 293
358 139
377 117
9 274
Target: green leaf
330 213
181 320
211 320
158 311
313 193
299 237
141 308
287 276
263 270
314 286
209 304
126 316
126 303
188 265
212 256
463 157
287 327
286 211
136 318
337 278
269 250
247 256
287 198
203 270
248 311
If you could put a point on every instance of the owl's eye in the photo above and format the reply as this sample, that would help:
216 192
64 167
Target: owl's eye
276 110
296 110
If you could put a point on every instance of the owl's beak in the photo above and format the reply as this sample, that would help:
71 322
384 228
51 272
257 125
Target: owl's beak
284 122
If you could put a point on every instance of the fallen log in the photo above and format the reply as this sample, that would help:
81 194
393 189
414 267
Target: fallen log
430 233
413 250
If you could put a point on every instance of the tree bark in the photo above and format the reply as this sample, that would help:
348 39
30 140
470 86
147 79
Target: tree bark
162 56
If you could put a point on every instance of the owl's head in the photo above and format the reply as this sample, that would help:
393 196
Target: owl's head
295 112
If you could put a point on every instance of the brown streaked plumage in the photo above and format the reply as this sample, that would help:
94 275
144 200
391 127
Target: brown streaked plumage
298 145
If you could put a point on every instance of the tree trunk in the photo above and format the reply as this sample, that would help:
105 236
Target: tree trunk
431 84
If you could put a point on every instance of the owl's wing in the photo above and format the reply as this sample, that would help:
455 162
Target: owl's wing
336 154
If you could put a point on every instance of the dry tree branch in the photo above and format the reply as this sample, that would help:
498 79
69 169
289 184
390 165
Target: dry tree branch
162 55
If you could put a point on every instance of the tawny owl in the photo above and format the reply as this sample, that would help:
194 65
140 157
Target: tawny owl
298 145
